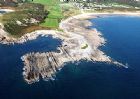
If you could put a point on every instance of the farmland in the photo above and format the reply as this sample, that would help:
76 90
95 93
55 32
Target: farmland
55 14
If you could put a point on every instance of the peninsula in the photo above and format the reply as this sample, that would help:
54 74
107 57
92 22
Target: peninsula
78 43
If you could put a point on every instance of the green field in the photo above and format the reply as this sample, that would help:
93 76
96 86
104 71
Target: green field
45 2
52 23
55 13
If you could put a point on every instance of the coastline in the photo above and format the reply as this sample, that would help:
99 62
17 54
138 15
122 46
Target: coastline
74 35
6 38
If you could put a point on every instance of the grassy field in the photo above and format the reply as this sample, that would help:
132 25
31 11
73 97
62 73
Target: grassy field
55 13
0 18
51 23
46 2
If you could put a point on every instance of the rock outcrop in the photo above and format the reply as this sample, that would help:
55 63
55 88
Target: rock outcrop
74 36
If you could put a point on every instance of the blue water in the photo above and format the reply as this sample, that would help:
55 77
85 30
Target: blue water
84 81
2 12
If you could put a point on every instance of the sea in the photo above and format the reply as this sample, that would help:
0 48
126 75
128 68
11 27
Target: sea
85 80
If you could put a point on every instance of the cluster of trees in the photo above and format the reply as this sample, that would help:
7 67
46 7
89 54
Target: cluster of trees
11 2
29 14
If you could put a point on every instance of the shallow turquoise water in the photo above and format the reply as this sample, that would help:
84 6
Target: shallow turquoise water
84 81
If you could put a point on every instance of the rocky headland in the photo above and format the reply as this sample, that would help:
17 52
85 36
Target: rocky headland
78 43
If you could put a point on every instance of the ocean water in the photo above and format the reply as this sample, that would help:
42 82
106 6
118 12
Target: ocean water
2 12
85 80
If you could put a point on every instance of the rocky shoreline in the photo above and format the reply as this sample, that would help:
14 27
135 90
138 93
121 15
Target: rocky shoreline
75 34
6 38
78 43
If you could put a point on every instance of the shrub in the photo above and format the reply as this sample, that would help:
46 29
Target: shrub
15 22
